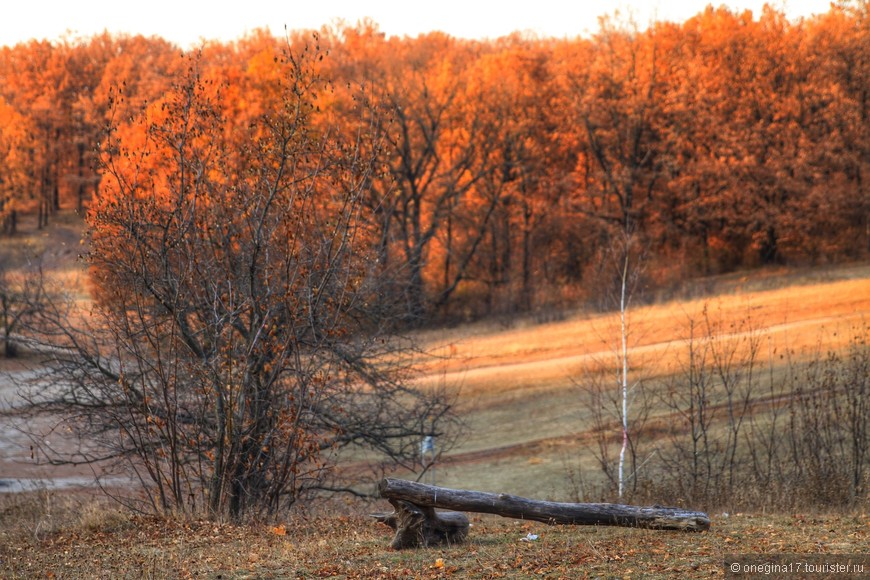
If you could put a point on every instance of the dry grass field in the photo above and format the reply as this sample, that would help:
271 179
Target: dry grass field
527 434
520 385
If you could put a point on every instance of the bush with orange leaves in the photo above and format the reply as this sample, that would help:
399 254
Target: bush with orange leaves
237 344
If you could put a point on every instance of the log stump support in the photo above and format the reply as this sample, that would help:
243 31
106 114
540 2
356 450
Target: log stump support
418 524
423 526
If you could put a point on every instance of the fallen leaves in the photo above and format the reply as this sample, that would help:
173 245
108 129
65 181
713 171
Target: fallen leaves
353 548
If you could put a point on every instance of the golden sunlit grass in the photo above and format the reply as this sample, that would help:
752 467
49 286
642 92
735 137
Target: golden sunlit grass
792 317
55 249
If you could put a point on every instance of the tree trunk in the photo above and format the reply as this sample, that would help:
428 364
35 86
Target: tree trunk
426 497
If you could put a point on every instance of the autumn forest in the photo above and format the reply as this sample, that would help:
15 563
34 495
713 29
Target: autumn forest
504 172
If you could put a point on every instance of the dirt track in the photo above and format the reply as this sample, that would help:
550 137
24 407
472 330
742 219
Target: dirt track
543 354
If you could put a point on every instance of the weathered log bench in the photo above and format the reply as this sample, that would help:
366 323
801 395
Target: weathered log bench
418 524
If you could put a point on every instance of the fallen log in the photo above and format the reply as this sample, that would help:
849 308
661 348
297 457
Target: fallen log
415 515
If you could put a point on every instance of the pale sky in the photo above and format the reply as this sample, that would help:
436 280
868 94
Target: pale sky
187 22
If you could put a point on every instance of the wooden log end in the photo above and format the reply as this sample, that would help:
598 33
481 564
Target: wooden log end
417 526
388 519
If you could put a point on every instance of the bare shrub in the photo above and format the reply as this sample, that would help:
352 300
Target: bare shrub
603 413
709 401
828 432
743 435
238 342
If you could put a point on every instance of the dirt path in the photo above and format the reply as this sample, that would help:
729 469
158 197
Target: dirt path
506 375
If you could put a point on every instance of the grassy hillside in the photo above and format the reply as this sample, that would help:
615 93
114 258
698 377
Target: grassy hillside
523 389
521 383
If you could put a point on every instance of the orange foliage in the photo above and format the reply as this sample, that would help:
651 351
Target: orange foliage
725 141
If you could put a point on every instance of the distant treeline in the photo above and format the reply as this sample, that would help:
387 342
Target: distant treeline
508 168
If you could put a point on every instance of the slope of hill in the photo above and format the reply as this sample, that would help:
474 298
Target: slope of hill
521 385
529 434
